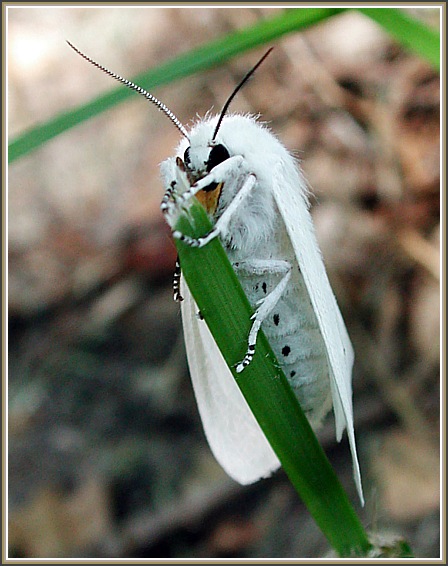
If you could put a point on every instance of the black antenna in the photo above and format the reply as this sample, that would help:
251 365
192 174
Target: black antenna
232 96
138 89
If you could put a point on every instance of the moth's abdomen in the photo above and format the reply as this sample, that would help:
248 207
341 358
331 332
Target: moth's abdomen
304 363
294 335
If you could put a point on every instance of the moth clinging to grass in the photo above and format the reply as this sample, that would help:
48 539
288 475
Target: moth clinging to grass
256 197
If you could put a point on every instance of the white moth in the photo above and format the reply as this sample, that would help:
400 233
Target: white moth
256 197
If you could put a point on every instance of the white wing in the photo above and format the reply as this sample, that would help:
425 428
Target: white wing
289 194
233 434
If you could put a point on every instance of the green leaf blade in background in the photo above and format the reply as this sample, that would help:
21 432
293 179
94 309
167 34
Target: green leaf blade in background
411 33
197 60
408 31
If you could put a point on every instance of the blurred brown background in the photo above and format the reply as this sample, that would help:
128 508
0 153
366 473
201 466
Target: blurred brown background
107 457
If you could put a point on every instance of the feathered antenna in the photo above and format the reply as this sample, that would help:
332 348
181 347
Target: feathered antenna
138 89
237 89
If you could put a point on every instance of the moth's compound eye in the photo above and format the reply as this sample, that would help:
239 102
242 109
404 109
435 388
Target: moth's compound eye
187 156
218 154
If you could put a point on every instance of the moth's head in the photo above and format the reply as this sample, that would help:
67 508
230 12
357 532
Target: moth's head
200 154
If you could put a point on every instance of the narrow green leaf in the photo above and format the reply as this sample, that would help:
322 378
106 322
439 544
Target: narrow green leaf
200 59
225 308
408 31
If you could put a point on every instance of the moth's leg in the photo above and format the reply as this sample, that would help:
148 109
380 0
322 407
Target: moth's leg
176 287
267 304
169 197
175 179
222 173
176 282
223 221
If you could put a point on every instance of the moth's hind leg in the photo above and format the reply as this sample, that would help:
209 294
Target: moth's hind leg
176 282
267 304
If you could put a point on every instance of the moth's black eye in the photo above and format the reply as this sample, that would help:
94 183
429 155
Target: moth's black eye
218 154
187 156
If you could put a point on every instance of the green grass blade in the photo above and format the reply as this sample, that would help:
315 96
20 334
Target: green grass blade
225 308
408 31
200 59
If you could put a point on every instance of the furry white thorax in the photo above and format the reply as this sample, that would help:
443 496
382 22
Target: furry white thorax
263 153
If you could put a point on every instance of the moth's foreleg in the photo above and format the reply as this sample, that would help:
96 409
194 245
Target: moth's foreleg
222 173
169 198
267 304
176 183
221 226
